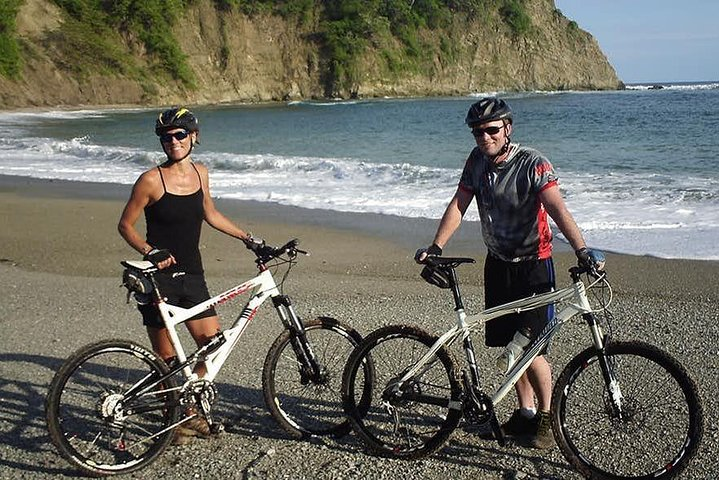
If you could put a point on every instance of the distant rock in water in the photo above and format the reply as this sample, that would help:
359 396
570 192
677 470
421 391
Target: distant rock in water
656 87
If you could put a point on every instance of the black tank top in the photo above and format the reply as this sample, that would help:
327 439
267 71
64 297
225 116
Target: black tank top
174 222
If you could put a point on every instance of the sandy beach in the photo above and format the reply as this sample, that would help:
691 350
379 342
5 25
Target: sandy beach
60 278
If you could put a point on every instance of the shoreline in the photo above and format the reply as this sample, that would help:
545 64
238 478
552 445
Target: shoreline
249 102
405 231
411 232
76 234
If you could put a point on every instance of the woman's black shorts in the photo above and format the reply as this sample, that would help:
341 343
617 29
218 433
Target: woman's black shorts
182 289
508 281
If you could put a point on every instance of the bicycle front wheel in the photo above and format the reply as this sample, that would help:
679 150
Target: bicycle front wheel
304 403
93 421
653 435
411 420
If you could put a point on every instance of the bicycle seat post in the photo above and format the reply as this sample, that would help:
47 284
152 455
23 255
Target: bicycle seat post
155 288
454 286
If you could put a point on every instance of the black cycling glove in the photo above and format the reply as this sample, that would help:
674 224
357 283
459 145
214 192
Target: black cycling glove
254 244
589 258
156 256
433 249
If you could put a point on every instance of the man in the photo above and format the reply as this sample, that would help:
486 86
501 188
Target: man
515 187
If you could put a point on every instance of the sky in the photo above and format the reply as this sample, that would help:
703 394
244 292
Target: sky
653 41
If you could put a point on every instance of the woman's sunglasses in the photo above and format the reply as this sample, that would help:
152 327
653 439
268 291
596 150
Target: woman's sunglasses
179 136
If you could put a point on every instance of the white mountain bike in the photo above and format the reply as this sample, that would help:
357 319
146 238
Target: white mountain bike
112 407
620 409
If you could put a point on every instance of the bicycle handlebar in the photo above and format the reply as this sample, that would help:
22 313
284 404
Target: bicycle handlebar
436 261
267 253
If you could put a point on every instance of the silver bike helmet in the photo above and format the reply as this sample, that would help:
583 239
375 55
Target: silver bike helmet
487 110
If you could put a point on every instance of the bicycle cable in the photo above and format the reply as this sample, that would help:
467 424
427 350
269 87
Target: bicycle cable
279 261
602 293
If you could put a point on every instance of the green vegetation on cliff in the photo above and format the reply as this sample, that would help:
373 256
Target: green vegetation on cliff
97 35
10 62
347 28
91 36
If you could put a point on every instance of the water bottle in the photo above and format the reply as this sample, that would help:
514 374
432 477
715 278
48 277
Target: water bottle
513 350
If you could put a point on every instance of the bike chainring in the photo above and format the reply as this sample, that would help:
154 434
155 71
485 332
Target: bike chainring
199 392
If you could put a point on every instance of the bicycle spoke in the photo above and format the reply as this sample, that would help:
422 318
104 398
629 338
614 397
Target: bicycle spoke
91 421
398 422
657 428
305 404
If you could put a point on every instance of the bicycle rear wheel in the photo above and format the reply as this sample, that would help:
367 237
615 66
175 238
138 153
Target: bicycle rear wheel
658 429
303 405
92 421
416 420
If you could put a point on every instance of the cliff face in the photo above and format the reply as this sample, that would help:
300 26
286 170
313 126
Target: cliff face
236 58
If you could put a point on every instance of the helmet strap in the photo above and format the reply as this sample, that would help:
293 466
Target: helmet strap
499 154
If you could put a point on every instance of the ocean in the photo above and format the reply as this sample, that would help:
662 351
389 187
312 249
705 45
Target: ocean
638 167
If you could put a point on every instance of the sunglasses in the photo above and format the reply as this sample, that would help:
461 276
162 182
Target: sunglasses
179 136
478 132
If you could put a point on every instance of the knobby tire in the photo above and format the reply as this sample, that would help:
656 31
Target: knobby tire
661 424
302 406
393 426
93 425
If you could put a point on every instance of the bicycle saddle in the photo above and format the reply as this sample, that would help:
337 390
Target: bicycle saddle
137 264
447 262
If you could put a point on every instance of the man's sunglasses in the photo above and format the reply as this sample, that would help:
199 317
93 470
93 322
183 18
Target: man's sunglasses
179 136
478 132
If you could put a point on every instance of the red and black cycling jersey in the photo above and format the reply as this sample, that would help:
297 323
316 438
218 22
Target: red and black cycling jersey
514 222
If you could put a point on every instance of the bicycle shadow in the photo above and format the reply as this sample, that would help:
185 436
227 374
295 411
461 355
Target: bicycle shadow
483 454
244 412
22 414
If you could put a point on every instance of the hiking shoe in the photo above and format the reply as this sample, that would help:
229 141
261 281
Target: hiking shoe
520 426
198 426
181 437
543 438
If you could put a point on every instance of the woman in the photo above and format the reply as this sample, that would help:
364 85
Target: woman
175 198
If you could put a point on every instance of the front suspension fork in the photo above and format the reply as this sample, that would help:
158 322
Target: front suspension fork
309 367
609 373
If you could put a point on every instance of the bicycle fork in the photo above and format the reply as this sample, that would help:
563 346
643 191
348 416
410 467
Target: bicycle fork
609 374
309 368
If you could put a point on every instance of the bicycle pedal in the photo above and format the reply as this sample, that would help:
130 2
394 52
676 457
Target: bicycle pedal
217 428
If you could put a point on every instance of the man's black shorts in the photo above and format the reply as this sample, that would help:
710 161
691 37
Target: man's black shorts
508 281
182 289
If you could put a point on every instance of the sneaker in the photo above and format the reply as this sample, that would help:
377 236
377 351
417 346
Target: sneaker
519 425
543 438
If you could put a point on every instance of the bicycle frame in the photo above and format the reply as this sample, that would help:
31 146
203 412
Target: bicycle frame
262 287
575 297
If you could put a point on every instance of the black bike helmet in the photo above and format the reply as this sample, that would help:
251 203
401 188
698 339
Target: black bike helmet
487 110
176 117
